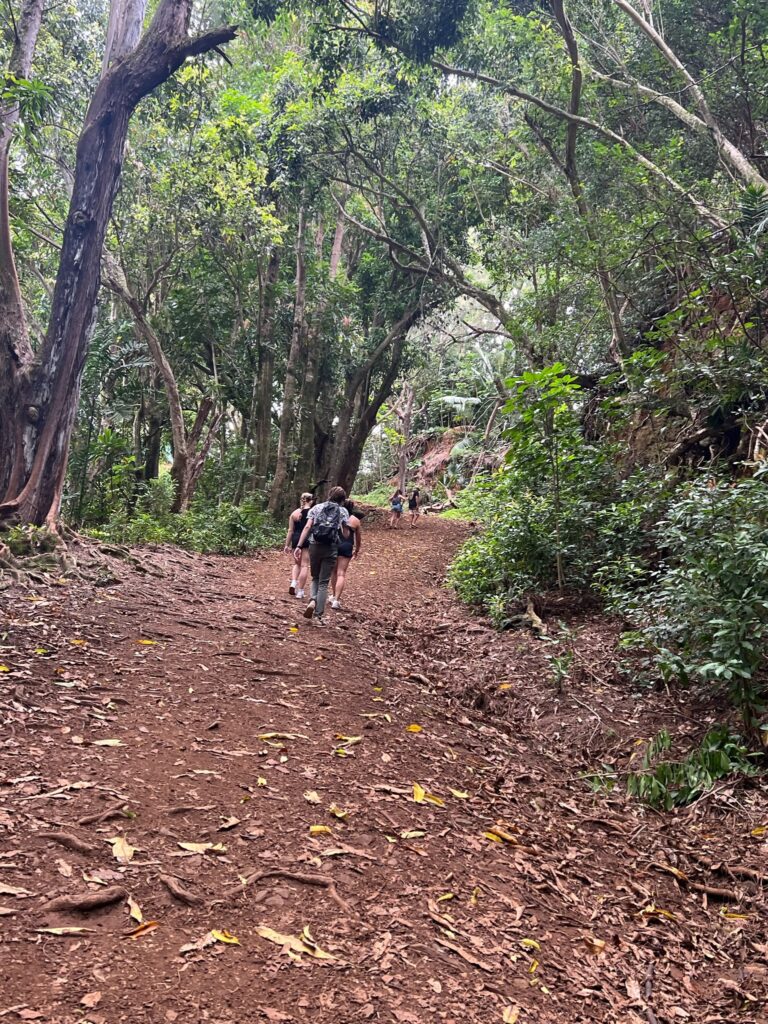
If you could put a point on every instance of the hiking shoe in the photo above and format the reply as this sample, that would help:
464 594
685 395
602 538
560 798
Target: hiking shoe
336 605
318 621
300 594
292 589
309 611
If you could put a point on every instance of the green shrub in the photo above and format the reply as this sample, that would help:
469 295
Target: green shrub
667 784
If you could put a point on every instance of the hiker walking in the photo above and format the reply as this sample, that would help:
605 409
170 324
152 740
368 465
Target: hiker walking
297 520
349 548
413 506
326 525
396 505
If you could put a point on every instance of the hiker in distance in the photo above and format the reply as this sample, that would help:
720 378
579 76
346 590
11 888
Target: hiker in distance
413 506
396 506
297 520
326 526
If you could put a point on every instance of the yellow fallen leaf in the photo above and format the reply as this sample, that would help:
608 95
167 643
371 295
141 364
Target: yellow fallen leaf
734 917
281 736
311 796
436 800
653 911
419 793
203 847
79 643
134 910
504 686
147 643
320 830
261 781
534 967
529 944
224 936
4 668
122 849
349 741
412 833
445 896
493 837
338 812
108 743
759 831
460 794
501 834
413 728
476 894
293 629
142 929
511 1014
594 945
64 930
294 945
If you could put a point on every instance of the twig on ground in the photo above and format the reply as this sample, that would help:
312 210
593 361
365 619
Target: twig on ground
115 811
291 876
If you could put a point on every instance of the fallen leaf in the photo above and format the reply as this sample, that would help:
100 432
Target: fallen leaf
224 936
734 917
13 890
203 847
418 793
414 728
281 736
319 830
459 794
529 944
7 912
91 999
759 831
349 741
445 896
294 945
79 643
121 849
653 911
108 743
134 910
413 833
504 686
501 835
65 930
595 946
142 929
261 781
147 643
63 868
311 796
511 1014
4 668
227 824
337 812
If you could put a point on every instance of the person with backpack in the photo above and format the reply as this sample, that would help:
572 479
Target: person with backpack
396 506
349 548
297 520
326 526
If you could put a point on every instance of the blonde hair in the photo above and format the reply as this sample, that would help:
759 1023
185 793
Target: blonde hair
307 498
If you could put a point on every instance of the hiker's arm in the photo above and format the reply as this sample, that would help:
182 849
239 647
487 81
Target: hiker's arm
287 546
358 540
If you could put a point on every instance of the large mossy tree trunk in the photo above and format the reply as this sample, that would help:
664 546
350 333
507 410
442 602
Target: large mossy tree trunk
39 393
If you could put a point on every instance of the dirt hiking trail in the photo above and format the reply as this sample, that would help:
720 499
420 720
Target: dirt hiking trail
381 821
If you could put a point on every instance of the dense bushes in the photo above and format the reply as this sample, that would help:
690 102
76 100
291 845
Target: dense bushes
223 528
683 561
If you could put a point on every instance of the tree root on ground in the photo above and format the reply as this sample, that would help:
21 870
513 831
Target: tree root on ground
71 842
291 876
87 902
177 890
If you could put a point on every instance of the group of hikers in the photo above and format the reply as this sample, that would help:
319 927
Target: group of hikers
322 540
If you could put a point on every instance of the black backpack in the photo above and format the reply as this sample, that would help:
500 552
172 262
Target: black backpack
326 529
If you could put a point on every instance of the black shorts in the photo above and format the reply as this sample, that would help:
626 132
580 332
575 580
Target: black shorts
346 548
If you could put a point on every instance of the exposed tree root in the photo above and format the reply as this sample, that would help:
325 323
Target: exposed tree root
114 811
177 890
292 876
88 901
71 842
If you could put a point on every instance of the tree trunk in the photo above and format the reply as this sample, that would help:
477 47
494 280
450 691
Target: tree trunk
281 481
42 394
262 429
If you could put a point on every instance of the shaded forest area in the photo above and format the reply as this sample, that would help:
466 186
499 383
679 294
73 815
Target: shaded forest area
250 249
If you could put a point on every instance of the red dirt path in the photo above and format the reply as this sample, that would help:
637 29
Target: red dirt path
575 917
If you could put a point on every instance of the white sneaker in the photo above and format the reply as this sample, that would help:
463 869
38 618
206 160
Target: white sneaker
309 611
317 621
336 605
300 594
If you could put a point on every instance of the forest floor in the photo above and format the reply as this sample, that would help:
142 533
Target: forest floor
463 870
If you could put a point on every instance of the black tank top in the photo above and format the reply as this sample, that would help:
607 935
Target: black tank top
298 527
